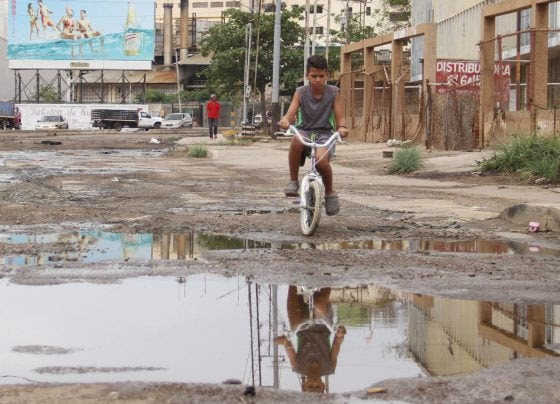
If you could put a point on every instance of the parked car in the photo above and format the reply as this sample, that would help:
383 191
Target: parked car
177 120
52 122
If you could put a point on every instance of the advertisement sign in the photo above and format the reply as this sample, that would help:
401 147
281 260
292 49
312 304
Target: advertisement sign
463 76
80 34
77 115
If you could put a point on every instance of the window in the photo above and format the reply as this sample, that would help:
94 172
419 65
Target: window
318 30
231 4
319 9
200 4
368 10
216 4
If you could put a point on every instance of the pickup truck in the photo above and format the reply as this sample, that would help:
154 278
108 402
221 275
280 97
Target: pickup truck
119 118
10 117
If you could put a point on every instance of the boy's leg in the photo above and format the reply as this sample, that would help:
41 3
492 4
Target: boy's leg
210 125
294 156
324 168
332 205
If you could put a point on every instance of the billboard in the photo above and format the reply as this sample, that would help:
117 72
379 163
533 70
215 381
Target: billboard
81 34
463 76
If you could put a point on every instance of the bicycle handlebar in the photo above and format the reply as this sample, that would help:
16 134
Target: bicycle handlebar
334 137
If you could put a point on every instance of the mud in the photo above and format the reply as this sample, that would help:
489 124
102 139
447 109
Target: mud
120 183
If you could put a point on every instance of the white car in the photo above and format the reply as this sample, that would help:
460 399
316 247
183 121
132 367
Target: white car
52 122
177 120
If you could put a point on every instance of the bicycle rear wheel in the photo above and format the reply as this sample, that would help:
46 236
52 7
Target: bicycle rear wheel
310 211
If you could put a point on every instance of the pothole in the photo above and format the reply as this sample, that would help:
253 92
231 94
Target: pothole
208 329
92 246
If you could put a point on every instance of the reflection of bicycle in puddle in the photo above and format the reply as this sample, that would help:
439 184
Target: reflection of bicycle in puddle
314 355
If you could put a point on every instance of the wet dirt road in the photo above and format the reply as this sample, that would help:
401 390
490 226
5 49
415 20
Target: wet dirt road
106 209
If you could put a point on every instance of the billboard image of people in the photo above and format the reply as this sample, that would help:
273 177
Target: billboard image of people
87 34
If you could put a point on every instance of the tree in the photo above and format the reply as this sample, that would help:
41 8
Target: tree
225 43
46 94
155 96
395 15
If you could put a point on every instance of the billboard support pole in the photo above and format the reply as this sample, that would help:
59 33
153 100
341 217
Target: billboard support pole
59 86
37 85
144 88
81 86
16 84
102 88
123 97
19 87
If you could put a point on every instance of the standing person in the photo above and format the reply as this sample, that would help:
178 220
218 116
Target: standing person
43 12
33 23
315 104
213 113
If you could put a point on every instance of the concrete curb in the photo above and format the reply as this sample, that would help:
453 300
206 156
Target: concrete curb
548 215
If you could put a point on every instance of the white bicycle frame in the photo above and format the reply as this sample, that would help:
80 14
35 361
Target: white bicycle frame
313 174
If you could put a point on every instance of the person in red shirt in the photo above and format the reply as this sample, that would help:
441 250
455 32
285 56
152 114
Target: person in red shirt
213 113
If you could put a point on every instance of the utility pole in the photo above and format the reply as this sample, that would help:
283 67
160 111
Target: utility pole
306 45
275 107
246 86
327 41
314 26
178 86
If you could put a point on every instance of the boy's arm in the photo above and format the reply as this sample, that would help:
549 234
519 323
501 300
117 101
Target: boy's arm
339 117
290 116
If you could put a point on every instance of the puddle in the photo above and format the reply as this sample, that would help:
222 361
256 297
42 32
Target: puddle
210 329
92 246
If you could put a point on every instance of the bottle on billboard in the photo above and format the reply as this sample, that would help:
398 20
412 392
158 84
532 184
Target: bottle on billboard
132 39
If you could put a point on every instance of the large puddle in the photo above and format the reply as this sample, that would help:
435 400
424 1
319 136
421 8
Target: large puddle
93 246
210 329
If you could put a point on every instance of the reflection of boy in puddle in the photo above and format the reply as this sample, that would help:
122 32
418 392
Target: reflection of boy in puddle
315 357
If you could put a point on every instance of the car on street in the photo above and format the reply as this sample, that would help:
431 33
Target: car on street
177 120
52 122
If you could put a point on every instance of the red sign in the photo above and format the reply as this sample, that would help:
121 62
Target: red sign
464 76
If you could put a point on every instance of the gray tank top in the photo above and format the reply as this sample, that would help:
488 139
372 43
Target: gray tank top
316 115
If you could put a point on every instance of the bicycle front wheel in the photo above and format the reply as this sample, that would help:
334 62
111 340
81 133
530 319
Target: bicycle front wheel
310 210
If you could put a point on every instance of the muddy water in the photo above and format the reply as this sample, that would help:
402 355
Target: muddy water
209 329
93 246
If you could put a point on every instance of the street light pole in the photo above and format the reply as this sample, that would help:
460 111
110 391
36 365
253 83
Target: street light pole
327 41
246 87
306 45
314 26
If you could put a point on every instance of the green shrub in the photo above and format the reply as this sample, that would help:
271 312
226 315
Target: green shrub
532 157
198 151
406 160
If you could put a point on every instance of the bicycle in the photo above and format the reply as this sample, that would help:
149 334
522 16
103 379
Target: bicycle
312 189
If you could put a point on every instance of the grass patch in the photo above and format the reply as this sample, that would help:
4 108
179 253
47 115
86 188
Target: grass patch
531 157
198 151
406 160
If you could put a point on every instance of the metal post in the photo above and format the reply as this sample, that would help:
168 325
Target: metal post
123 88
38 86
102 88
276 66
19 87
81 87
144 88
59 86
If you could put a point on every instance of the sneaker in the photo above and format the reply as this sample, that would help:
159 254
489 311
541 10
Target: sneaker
291 189
332 206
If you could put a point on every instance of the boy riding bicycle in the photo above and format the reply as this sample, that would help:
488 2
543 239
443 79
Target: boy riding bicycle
316 102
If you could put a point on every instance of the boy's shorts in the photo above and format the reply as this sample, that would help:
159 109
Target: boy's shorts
321 138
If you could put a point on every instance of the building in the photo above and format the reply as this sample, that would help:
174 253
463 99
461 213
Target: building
6 91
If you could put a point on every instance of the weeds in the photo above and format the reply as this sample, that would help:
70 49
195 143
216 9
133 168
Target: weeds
198 151
532 157
406 160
